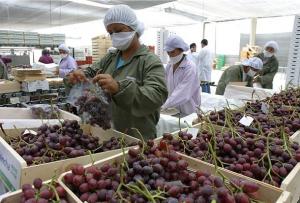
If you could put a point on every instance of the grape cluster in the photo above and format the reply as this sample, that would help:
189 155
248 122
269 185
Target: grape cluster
43 193
57 142
95 109
267 124
45 111
265 159
290 97
155 174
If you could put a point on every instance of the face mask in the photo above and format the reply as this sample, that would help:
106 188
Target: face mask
267 54
251 73
122 40
176 59
63 55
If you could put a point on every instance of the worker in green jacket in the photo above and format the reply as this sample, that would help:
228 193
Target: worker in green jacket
240 73
132 75
270 68
3 70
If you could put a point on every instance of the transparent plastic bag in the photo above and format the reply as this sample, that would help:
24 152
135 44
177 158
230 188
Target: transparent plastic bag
45 111
93 104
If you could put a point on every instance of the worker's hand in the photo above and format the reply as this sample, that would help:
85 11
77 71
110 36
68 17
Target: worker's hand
256 78
77 76
107 83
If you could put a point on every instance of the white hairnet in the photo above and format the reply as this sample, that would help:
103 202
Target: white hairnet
173 42
125 15
272 44
253 62
63 47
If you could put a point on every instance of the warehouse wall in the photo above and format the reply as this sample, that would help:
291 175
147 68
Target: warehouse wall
283 40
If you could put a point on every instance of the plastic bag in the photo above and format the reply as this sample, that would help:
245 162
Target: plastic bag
93 104
45 111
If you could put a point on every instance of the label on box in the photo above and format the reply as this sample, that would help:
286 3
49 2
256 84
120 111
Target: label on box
29 132
265 108
10 167
14 100
193 132
246 120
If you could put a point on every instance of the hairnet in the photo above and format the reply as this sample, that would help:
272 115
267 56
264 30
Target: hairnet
63 47
253 62
173 42
272 44
125 15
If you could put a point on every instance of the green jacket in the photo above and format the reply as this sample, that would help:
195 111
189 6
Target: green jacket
232 74
142 91
3 71
268 71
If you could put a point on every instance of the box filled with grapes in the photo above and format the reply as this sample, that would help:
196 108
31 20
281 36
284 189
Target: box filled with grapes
52 149
155 173
33 117
270 159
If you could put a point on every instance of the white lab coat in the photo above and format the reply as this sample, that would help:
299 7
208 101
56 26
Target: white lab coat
193 56
204 64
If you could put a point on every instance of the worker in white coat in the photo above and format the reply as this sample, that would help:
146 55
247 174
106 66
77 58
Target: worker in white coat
192 54
204 63
182 78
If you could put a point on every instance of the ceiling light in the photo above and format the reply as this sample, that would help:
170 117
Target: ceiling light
91 3
186 14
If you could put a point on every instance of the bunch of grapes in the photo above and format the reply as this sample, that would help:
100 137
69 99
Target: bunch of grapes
52 143
43 193
155 174
256 157
95 108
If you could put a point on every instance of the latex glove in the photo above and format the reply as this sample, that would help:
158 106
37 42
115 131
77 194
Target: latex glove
77 76
107 83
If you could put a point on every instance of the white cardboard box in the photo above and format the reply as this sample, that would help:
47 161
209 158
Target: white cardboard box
32 86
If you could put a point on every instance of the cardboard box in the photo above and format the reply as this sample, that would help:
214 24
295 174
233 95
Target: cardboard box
14 170
10 115
7 86
33 86
291 183
266 193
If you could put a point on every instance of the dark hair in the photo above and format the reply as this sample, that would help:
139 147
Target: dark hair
45 52
193 45
205 42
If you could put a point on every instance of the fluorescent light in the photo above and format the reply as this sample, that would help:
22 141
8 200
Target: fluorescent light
91 3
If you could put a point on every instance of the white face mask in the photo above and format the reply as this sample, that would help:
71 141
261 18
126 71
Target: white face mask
176 59
63 55
122 40
251 73
268 54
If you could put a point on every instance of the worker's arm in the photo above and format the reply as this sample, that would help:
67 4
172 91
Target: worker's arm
224 80
267 74
143 99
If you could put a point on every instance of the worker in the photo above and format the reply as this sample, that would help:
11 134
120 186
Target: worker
67 62
3 70
46 58
240 73
204 62
192 54
270 67
182 78
132 75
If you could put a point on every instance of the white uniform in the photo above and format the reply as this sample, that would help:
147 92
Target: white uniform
204 64
193 56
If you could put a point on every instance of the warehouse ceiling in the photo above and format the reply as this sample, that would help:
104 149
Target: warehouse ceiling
37 14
